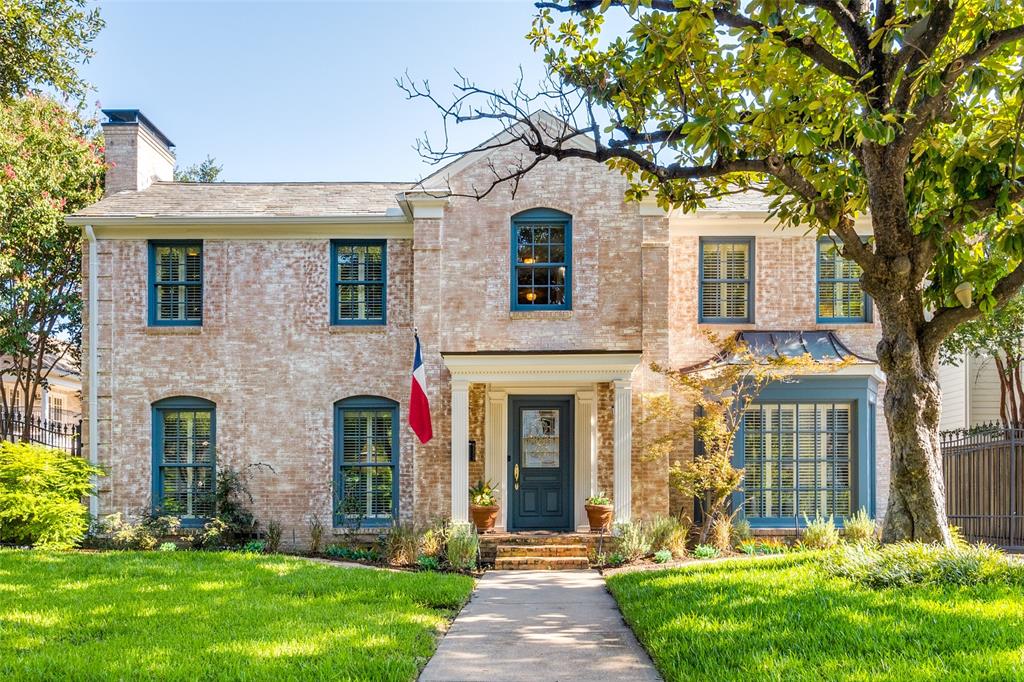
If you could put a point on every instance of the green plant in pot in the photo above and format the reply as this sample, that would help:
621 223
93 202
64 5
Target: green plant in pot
599 512
483 505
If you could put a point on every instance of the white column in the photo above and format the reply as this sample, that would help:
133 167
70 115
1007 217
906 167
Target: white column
623 493
45 408
584 470
496 446
460 451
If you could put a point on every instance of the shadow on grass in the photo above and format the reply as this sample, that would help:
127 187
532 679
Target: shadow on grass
215 615
785 619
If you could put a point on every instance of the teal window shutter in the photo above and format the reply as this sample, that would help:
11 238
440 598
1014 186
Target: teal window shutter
184 459
175 283
366 459
840 295
541 277
726 292
359 281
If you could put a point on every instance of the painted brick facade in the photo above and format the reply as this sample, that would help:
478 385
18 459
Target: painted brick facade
268 357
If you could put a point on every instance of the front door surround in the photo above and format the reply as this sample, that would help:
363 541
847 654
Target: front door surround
540 446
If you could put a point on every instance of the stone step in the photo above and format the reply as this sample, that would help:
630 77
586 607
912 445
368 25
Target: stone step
574 550
535 563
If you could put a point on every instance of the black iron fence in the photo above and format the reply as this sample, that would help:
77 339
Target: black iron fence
984 474
15 426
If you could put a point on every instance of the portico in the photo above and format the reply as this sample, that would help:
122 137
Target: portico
528 395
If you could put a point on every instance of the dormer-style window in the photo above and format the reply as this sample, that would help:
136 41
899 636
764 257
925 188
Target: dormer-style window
542 260
840 296
726 280
359 281
175 283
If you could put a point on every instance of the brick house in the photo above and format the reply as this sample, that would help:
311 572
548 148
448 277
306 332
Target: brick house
234 323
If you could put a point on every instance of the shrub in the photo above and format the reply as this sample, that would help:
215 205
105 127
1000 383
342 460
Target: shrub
274 532
234 505
741 532
168 547
428 563
662 556
860 528
705 552
668 533
254 547
634 542
401 545
910 563
613 559
463 547
214 534
351 553
41 492
432 541
599 500
763 546
316 534
819 533
122 533
721 533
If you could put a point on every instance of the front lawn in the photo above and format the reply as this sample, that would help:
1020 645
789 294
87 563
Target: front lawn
784 619
206 615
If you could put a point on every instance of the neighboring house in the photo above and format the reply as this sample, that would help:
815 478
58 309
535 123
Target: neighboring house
59 400
970 393
234 323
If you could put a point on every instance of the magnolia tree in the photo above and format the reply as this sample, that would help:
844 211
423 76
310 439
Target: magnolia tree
908 112
997 337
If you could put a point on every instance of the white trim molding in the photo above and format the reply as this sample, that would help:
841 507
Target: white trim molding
542 368
460 452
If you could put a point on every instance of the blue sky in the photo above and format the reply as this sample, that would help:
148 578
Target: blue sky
303 91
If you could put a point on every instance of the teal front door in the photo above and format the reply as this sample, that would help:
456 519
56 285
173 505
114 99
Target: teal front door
540 463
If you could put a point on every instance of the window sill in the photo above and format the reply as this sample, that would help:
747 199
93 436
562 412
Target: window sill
170 330
540 315
357 328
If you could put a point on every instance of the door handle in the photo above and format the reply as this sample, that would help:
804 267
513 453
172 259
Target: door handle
515 475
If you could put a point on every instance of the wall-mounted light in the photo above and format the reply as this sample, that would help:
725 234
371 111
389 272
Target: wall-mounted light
472 451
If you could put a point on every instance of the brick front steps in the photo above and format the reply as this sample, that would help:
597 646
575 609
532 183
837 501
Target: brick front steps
542 550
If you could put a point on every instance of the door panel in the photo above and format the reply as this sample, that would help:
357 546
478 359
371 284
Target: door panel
540 447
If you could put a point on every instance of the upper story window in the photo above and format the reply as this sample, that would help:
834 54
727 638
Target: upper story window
359 281
184 459
175 283
542 260
726 284
840 296
366 461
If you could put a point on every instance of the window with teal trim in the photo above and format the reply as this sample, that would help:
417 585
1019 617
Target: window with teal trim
184 458
726 285
175 283
797 458
542 260
840 296
359 281
366 461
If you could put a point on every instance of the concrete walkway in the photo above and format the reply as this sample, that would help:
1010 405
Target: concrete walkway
539 625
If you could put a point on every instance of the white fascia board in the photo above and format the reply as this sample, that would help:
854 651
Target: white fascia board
241 219
254 228
424 203
744 224
544 368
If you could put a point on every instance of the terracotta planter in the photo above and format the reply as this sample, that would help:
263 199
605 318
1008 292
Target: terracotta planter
484 518
600 516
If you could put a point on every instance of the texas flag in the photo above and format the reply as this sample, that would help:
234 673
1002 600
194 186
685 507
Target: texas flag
419 406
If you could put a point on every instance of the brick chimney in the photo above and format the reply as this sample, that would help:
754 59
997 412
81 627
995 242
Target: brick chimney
137 152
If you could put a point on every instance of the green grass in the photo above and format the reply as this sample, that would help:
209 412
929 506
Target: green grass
784 619
204 615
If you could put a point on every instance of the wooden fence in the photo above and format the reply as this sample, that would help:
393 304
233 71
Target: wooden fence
983 469
62 435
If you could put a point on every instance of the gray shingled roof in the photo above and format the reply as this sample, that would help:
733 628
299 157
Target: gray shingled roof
252 199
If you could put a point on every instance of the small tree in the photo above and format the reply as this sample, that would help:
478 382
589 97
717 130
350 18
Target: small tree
205 171
719 392
999 335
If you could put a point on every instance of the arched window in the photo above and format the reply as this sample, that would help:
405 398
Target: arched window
184 458
365 461
541 260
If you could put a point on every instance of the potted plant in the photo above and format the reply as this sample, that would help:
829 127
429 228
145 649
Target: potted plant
599 512
483 505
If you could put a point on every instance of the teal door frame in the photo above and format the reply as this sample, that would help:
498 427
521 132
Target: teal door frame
544 500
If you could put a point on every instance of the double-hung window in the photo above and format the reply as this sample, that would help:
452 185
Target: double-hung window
366 461
798 459
840 296
175 283
542 260
184 458
359 281
726 280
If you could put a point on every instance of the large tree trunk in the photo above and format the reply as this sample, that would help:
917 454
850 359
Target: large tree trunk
917 500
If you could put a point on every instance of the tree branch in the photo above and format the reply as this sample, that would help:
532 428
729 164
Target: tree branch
945 320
